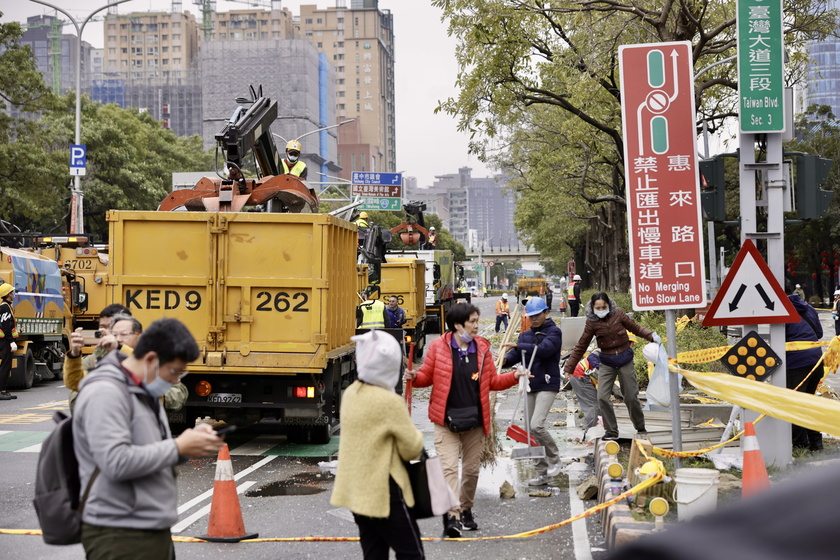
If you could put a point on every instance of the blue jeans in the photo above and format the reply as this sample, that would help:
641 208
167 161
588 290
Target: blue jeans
501 319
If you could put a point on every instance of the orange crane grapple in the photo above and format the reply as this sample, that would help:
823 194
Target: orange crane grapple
248 129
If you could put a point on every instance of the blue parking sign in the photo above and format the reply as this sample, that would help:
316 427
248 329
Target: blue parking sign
78 159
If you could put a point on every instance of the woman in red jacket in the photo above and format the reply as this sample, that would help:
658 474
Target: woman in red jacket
459 367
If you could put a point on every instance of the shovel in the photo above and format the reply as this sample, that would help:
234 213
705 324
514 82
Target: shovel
532 451
516 433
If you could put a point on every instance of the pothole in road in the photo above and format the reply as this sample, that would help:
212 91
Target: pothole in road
301 484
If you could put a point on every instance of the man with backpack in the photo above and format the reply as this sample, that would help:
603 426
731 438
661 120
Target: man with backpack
122 442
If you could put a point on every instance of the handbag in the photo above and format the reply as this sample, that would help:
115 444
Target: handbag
463 419
432 495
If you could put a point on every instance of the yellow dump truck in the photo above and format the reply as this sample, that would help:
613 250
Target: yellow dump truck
42 303
83 263
405 278
527 287
270 298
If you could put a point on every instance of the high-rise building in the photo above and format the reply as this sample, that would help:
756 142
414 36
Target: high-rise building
56 53
478 212
359 42
151 63
824 72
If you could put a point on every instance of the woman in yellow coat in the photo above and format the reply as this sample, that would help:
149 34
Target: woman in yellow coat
377 437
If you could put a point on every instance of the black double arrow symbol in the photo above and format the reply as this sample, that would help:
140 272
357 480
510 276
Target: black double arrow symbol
768 303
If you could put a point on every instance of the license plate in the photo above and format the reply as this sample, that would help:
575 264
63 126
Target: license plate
225 397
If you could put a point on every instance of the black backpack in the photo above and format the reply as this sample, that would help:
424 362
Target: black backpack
58 499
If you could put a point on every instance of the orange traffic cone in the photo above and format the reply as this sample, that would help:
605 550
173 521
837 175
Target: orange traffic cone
225 523
754 479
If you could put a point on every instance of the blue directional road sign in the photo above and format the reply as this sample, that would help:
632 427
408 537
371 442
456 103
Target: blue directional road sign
374 178
78 159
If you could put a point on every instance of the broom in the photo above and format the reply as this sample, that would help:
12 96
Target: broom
492 446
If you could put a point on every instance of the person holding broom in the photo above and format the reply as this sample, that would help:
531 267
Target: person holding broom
460 369
540 346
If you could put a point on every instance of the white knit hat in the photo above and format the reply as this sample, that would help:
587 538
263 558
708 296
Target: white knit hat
378 358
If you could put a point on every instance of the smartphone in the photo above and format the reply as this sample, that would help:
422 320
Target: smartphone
226 430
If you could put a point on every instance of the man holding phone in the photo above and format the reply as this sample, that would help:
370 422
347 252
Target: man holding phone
121 436
75 366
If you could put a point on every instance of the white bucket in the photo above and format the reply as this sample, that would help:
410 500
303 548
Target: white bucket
696 492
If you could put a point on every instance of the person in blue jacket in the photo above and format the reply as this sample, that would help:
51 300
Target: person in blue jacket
546 339
799 364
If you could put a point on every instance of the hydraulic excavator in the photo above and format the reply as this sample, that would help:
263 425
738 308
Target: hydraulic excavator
247 130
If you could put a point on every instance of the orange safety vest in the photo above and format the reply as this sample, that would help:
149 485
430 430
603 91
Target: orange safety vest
502 308
570 291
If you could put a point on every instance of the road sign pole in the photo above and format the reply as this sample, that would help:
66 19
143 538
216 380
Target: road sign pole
674 384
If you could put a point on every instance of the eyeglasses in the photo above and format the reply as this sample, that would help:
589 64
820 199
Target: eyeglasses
179 375
120 334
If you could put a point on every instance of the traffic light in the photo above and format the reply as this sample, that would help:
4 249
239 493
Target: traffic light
811 200
713 199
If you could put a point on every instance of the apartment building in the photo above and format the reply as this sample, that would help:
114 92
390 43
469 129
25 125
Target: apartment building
359 42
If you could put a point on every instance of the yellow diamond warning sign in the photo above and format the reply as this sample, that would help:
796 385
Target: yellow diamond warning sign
751 358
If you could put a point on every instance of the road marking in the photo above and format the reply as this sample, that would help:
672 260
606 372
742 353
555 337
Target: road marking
24 419
54 405
198 499
579 533
181 525
259 445
22 442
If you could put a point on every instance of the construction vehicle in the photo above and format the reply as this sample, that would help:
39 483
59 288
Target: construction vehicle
86 265
405 278
268 288
527 287
44 298
270 298
247 131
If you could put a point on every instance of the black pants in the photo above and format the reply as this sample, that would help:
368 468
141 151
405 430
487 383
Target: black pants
5 362
398 531
574 307
805 438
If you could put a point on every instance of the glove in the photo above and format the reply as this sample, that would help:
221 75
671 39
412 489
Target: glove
657 339
13 346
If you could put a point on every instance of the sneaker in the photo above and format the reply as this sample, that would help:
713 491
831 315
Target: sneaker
554 469
451 527
541 480
5 396
609 438
642 435
468 521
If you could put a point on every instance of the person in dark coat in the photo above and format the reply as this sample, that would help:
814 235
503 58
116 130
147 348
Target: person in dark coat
545 339
800 365
8 334
608 324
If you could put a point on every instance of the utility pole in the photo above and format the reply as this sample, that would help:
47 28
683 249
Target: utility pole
77 224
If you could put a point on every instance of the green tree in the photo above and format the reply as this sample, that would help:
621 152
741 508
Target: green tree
539 91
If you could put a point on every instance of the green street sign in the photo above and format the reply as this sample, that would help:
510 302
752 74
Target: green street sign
479 268
760 66
392 204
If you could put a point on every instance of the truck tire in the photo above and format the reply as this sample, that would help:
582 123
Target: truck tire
23 372
321 434
297 434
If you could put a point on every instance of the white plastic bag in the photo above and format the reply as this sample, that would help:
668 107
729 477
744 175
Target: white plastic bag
658 390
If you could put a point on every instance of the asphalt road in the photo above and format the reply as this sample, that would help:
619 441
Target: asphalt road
284 493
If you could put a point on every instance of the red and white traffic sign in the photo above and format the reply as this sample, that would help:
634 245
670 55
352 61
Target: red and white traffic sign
660 165
750 294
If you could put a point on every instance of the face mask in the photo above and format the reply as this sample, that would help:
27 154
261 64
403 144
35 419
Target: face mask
602 313
465 337
159 387
292 158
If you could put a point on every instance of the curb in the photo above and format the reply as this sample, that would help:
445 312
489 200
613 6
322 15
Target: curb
617 522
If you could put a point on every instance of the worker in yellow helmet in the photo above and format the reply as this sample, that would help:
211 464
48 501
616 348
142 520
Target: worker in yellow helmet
8 334
292 165
362 220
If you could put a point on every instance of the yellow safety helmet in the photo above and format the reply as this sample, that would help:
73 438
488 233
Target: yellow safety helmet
363 215
293 145
6 289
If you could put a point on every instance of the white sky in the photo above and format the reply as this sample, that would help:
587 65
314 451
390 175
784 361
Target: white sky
425 71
